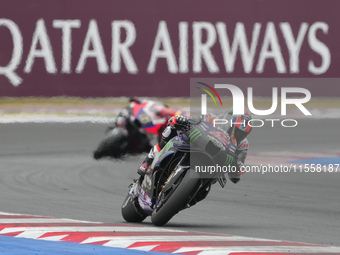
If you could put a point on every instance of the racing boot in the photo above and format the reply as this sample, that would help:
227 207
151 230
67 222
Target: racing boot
146 163
149 159
145 166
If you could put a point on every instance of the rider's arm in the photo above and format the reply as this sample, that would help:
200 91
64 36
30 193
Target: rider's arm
175 123
242 151
241 154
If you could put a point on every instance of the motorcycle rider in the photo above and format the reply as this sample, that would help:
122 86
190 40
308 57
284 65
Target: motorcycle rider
238 131
153 123
143 119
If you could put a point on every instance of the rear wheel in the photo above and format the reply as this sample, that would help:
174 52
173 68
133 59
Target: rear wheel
115 145
176 199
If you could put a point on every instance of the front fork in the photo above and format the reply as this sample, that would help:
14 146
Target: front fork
135 187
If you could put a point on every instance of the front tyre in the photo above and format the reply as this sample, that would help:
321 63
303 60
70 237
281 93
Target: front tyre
178 199
130 211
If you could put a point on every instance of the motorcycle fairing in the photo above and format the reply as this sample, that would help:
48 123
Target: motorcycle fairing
203 137
203 150
149 117
145 202
163 160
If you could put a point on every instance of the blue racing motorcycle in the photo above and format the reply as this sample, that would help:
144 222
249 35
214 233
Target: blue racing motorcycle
181 174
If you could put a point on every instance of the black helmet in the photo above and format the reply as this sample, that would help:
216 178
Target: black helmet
239 124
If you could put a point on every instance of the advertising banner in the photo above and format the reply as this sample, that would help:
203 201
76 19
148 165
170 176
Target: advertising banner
111 48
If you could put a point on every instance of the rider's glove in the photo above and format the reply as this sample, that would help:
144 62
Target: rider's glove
236 176
178 120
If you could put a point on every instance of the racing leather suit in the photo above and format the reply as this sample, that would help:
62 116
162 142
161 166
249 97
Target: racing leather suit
172 130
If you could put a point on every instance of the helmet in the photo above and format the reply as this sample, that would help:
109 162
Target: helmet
135 100
239 125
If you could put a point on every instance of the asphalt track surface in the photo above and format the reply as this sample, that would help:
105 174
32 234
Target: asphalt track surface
47 169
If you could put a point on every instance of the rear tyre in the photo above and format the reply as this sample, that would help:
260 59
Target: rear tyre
115 145
178 199
130 211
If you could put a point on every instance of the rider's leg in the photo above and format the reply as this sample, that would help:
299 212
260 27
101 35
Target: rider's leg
168 133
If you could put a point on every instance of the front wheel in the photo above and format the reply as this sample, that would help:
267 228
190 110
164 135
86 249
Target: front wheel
130 211
177 200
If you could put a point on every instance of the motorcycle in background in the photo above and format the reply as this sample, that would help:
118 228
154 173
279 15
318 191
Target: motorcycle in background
134 129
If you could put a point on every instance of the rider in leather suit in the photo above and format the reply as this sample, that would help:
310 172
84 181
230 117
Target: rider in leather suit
237 132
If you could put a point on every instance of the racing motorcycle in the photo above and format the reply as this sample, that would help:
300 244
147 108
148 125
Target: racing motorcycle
173 182
134 129
122 140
